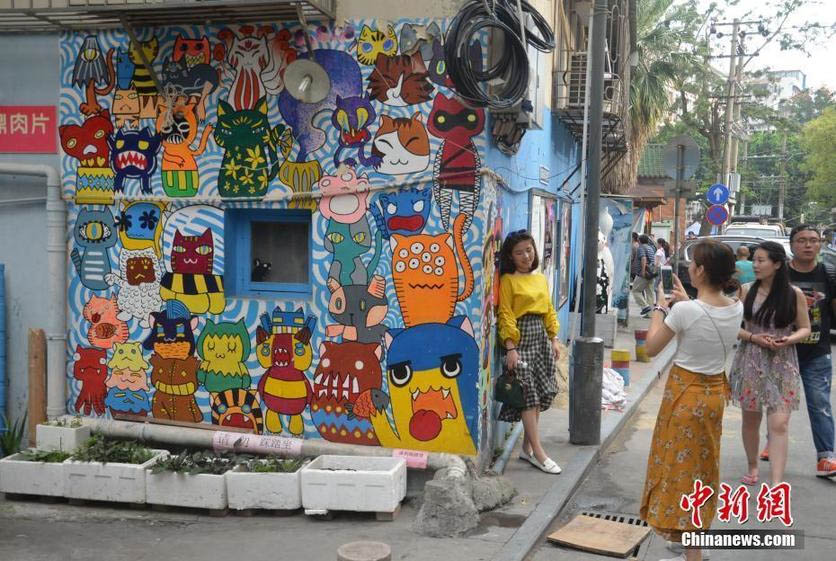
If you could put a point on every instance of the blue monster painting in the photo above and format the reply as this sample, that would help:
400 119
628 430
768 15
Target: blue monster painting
433 371
124 69
405 212
352 118
133 154
346 82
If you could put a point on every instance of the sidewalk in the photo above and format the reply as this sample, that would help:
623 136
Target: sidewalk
33 531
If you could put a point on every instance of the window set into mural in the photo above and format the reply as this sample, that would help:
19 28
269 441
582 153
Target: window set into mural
246 257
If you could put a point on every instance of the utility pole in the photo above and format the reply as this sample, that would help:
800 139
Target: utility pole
730 97
588 350
782 182
742 200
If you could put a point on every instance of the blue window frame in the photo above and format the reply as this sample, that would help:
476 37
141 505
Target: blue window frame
282 238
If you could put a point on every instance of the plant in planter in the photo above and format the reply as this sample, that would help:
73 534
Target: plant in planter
191 479
12 437
61 434
33 472
104 469
268 483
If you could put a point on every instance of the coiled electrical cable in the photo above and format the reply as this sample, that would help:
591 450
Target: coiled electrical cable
510 73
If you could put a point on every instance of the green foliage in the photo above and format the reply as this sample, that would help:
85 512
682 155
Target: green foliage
101 449
273 464
48 456
12 436
818 139
200 462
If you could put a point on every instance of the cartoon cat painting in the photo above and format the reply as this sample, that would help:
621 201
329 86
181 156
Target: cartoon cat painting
359 310
88 143
352 118
138 283
192 280
402 145
348 243
432 372
400 80
426 276
224 348
106 329
344 196
373 42
238 408
133 155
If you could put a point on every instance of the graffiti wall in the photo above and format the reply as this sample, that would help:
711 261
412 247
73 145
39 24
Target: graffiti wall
291 239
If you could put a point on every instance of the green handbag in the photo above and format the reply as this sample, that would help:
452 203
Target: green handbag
509 391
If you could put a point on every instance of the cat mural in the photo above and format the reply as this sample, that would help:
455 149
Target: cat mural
238 408
138 283
400 80
95 233
372 42
128 381
426 276
405 212
133 155
192 280
348 242
224 349
174 366
251 147
89 144
352 118
344 196
359 309
402 145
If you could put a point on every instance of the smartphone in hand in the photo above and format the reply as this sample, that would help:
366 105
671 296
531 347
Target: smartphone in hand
667 279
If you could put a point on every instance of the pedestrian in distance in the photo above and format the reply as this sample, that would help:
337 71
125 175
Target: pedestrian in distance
528 329
745 274
686 439
818 282
764 374
661 258
642 284
635 263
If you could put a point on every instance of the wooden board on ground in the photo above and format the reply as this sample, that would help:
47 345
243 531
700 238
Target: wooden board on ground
601 536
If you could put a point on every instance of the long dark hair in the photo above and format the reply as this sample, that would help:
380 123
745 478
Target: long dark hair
665 246
717 261
779 308
506 262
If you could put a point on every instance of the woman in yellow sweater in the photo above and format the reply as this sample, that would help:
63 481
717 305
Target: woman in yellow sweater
528 329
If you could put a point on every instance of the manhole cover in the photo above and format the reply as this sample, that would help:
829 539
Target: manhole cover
606 533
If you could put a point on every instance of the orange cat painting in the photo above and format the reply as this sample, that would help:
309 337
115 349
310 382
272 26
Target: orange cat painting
426 276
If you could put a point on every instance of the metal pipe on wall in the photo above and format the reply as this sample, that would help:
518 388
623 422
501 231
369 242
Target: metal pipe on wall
56 247
3 380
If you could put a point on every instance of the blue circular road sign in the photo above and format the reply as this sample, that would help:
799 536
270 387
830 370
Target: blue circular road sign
717 214
717 194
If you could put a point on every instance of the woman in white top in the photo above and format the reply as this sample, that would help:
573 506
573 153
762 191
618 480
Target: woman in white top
686 440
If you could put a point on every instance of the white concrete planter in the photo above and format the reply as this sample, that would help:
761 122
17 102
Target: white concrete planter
201 490
367 484
278 491
115 482
31 478
66 439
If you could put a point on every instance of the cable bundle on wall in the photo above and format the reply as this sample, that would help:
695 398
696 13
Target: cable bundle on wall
503 84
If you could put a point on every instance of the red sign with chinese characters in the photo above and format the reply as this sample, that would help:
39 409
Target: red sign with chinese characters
28 129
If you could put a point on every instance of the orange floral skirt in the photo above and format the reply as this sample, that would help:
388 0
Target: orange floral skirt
685 447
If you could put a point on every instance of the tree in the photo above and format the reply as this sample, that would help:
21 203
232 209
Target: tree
665 34
817 139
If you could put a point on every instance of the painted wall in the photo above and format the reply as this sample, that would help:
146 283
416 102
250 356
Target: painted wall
23 226
387 348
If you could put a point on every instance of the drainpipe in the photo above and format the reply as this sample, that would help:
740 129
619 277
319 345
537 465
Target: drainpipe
453 465
56 247
3 426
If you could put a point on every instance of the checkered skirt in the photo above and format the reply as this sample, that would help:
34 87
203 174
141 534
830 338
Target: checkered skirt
537 378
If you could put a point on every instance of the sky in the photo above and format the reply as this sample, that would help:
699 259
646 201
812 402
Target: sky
818 66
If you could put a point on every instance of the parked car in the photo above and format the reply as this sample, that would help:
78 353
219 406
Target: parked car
755 230
733 241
